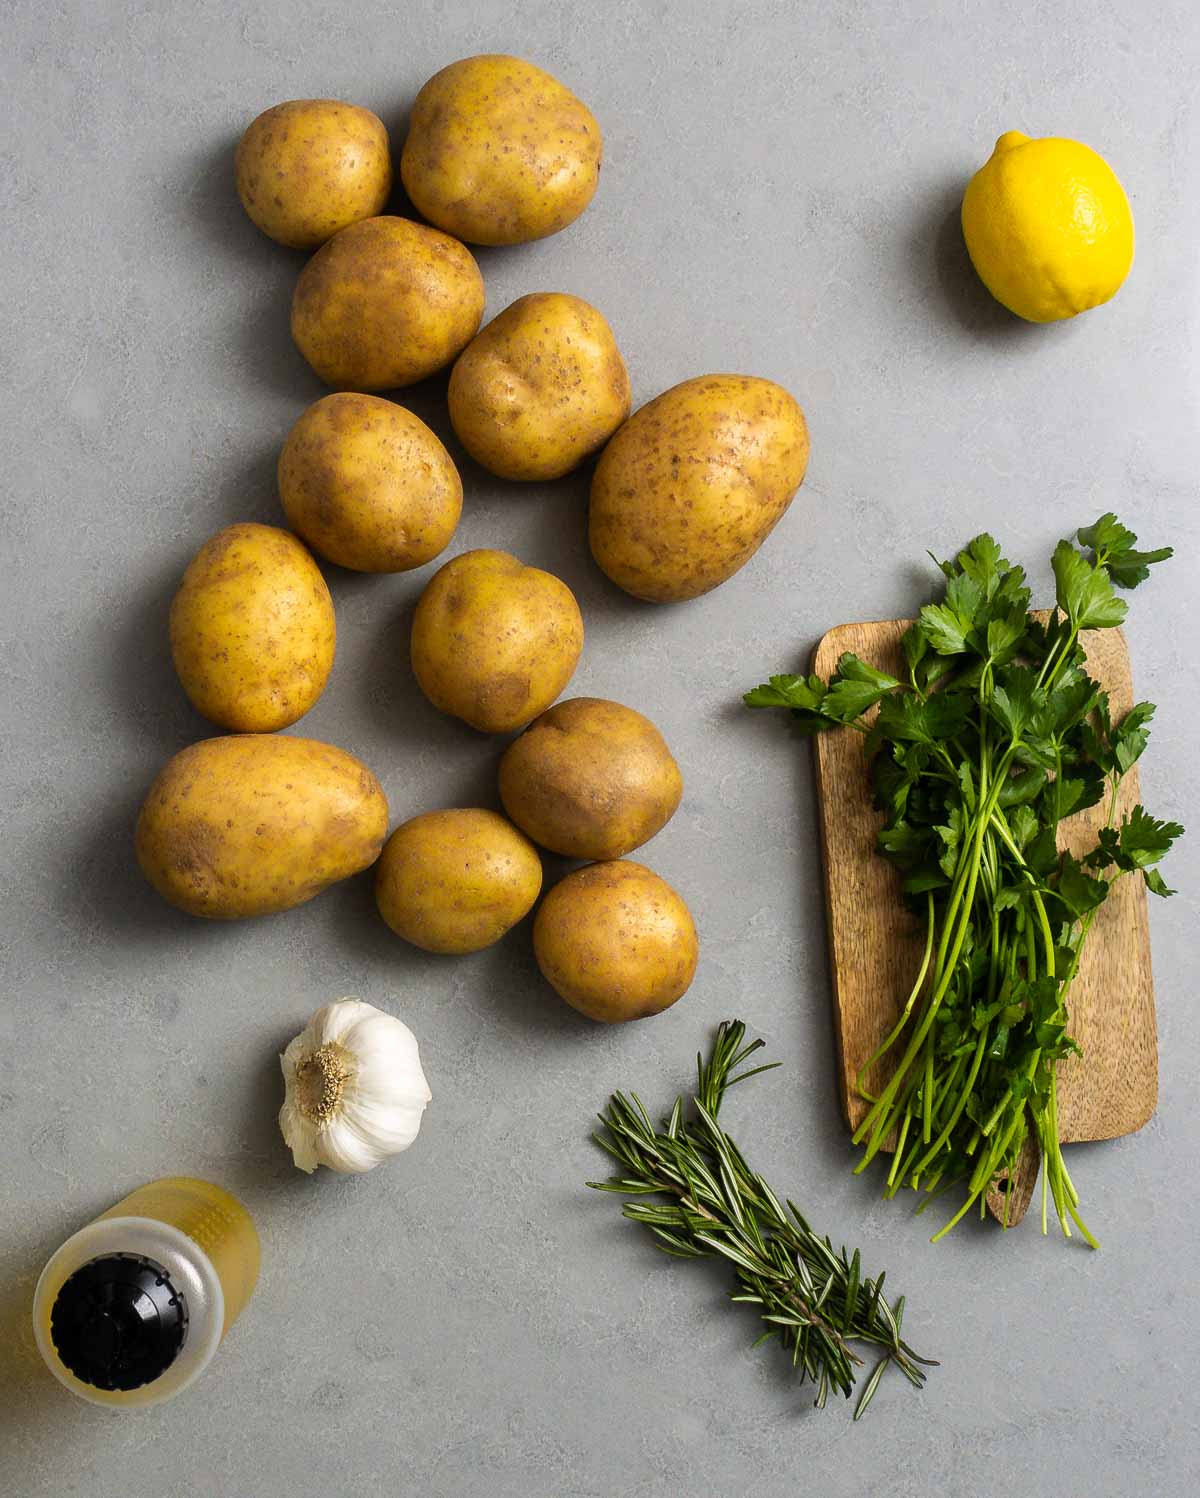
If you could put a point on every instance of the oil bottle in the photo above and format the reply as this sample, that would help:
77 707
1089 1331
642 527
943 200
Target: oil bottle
130 1310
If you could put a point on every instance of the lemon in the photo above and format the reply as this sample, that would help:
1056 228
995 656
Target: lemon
1048 227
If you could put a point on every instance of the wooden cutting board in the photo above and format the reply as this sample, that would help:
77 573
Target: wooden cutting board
875 943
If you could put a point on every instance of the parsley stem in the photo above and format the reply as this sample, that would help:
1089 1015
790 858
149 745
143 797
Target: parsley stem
877 1118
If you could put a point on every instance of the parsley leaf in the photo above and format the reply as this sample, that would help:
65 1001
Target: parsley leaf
945 629
1004 634
1113 546
1078 890
1132 735
1084 591
933 721
1144 839
1016 700
983 562
1023 826
801 693
1155 882
856 687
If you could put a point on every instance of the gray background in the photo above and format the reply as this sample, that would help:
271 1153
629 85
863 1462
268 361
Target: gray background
779 197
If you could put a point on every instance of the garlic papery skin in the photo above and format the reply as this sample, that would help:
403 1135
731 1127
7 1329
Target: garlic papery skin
354 1091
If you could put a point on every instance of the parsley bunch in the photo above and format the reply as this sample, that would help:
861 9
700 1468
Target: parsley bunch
996 736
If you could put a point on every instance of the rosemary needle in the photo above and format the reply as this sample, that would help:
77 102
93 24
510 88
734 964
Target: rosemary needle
814 1299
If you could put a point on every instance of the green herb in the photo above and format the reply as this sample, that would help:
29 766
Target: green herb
997 735
815 1300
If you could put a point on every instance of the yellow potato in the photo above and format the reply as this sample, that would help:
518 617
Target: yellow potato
456 881
368 485
616 942
540 389
499 152
385 303
252 629
494 642
694 483
590 779
255 823
308 168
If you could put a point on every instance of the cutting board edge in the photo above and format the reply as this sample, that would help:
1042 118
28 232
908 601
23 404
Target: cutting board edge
854 1108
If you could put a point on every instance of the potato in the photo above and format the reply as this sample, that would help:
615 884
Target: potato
499 152
308 168
693 484
616 942
540 389
494 642
252 629
590 779
456 881
251 824
385 303
368 485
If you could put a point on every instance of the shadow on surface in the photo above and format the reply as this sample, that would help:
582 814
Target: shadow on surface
139 675
215 213
106 896
562 547
261 344
939 255
510 990
260 340
263 1160
249 491
33 1406
427 399
393 702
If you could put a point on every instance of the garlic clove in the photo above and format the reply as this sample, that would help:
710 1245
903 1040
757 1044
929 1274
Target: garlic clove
354 1089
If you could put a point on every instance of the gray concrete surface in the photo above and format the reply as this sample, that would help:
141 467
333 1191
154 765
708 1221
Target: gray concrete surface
779 197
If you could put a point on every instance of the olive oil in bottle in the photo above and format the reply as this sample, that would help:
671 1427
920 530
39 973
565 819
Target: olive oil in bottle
130 1310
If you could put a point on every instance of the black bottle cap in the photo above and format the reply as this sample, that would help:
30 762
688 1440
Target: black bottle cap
118 1322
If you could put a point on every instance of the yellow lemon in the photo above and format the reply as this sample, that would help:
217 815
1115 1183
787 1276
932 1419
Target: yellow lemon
1048 227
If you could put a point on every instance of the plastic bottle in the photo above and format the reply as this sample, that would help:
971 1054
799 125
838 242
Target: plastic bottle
130 1309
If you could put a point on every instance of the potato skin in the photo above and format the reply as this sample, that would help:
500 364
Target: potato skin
385 303
500 152
694 483
307 168
494 642
616 942
368 485
252 629
256 823
590 779
456 881
539 389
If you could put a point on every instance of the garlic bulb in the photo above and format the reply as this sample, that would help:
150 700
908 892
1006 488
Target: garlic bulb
354 1088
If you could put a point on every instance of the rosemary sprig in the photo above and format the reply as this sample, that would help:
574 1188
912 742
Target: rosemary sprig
813 1298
